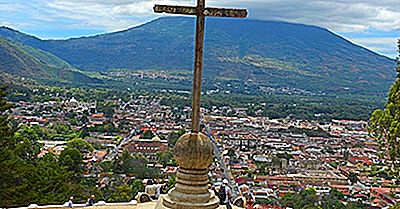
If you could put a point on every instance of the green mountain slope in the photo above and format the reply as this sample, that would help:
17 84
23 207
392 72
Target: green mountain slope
263 54
24 61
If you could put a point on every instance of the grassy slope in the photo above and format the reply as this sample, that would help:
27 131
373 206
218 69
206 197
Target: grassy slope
24 61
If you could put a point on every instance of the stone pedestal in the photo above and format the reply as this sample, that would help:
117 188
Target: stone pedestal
194 154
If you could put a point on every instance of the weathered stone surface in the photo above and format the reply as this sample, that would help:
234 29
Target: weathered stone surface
210 12
194 151
187 201
222 12
194 154
175 9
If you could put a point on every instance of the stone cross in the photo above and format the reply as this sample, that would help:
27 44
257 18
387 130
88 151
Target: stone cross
201 12
194 151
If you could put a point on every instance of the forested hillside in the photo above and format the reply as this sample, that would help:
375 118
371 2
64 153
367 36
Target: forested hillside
263 53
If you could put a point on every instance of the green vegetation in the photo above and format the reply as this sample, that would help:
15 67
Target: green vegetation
173 137
147 135
166 158
135 165
81 145
23 177
24 61
106 127
310 132
308 199
384 125
309 107
50 179
5 129
322 108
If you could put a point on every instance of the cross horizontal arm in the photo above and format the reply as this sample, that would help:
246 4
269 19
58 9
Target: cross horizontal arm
222 12
175 9
211 12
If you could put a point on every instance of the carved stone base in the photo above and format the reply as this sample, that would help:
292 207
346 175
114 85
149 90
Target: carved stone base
166 203
190 192
193 153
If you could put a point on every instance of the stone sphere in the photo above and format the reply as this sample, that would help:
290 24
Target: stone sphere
194 151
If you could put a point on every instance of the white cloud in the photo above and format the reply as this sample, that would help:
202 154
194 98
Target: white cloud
376 40
384 45
337 15
9 7
110 15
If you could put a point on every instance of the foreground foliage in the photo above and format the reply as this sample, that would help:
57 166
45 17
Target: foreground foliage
384 125
26 179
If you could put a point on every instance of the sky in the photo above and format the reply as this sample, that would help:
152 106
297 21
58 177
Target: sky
374 24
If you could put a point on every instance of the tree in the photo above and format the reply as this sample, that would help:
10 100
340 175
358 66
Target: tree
84 132
173 137
106 166
333 200
28 146
336 194
353 178
107 108
14 171
25 178
72 159
5 129
61 128
122 193
125 163
137 186
231 153
50 182
14 184
384 125
42 182
171 182
147 135
276 162
81 145
166 158
305 199
137 165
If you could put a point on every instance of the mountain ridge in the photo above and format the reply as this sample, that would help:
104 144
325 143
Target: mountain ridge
266 53
4 27
33 37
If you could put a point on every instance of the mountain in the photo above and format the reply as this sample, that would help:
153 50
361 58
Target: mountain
24 61
250 52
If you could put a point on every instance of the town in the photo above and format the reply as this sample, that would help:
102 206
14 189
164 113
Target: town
271 157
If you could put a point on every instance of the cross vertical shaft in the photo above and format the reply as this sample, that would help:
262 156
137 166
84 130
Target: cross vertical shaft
198 67
201 12
194 151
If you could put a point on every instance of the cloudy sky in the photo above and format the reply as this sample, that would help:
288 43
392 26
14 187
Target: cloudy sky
374 24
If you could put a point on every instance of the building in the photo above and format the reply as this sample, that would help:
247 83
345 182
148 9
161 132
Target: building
147 147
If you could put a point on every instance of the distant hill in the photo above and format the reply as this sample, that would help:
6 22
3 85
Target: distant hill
263 53
24 61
